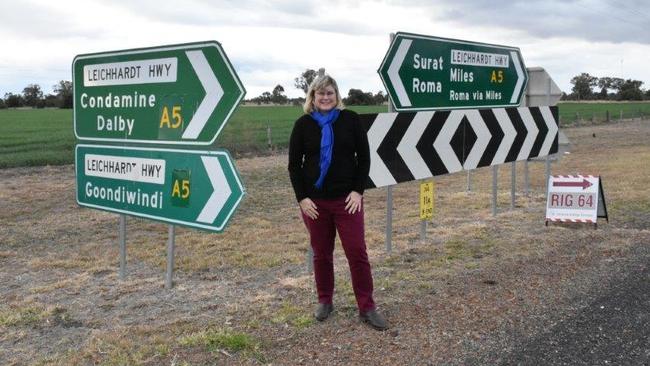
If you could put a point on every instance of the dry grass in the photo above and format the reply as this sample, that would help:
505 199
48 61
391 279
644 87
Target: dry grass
244 296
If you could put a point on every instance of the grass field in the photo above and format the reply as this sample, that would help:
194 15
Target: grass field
476 289
34 137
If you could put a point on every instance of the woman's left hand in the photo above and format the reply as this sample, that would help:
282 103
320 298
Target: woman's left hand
353 202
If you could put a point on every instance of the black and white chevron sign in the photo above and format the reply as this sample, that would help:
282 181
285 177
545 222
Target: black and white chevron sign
410 146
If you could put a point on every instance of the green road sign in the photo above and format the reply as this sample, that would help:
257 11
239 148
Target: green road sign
176 94
199 189
428 73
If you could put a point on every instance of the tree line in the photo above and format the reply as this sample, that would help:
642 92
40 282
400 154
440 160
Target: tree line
585 87
354 97
588 87
33 96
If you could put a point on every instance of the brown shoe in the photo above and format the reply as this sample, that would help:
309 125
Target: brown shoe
323 311
374 319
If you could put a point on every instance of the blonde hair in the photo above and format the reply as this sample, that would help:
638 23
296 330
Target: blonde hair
319 83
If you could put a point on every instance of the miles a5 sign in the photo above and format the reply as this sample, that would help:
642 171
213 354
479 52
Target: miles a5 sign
427 73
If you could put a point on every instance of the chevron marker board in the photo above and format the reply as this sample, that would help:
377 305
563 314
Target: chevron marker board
418 145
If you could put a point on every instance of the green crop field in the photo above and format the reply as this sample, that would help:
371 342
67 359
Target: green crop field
33 137
570 112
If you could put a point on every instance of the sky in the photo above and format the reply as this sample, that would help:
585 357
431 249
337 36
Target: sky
272 42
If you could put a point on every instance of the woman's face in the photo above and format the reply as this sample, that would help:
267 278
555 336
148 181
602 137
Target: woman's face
325 99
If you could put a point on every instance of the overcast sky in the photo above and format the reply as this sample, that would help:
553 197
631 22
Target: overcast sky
271 42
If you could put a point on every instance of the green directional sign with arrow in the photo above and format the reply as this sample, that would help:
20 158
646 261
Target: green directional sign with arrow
427 73
200 189
177 94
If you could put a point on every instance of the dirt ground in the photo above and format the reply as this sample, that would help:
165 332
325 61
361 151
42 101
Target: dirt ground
468 294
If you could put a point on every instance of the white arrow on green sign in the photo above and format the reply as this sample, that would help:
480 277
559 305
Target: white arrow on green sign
200 189
176 94
428 73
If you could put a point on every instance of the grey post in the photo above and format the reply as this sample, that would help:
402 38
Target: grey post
469 180
495 172
423 230
513 183
389 218
171 241
548 173
526 182
122 239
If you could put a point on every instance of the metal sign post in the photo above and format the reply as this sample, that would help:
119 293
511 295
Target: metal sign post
171 242
495 173
389 219
423 231
513 184
526 182
122 240
548 172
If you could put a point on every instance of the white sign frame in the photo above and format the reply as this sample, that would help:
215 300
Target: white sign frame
574 198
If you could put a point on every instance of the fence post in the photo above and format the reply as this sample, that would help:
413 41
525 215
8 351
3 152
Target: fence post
268 135
607 118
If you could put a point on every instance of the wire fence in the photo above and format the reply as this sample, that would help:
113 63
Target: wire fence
575 115
41 137
258 137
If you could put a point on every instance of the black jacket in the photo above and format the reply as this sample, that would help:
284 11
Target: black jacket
350 158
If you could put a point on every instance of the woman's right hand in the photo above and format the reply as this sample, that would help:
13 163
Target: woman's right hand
308 207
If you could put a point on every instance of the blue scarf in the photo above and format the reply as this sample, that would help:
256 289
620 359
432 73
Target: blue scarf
326 141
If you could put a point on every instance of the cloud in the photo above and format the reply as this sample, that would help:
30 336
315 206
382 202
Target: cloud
299 15
601 21
42 20
271 42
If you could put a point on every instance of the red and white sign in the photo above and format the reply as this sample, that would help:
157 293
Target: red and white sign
573 198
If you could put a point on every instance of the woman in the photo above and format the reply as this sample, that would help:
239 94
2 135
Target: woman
329 161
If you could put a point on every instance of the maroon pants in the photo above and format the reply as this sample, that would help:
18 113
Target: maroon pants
332 217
